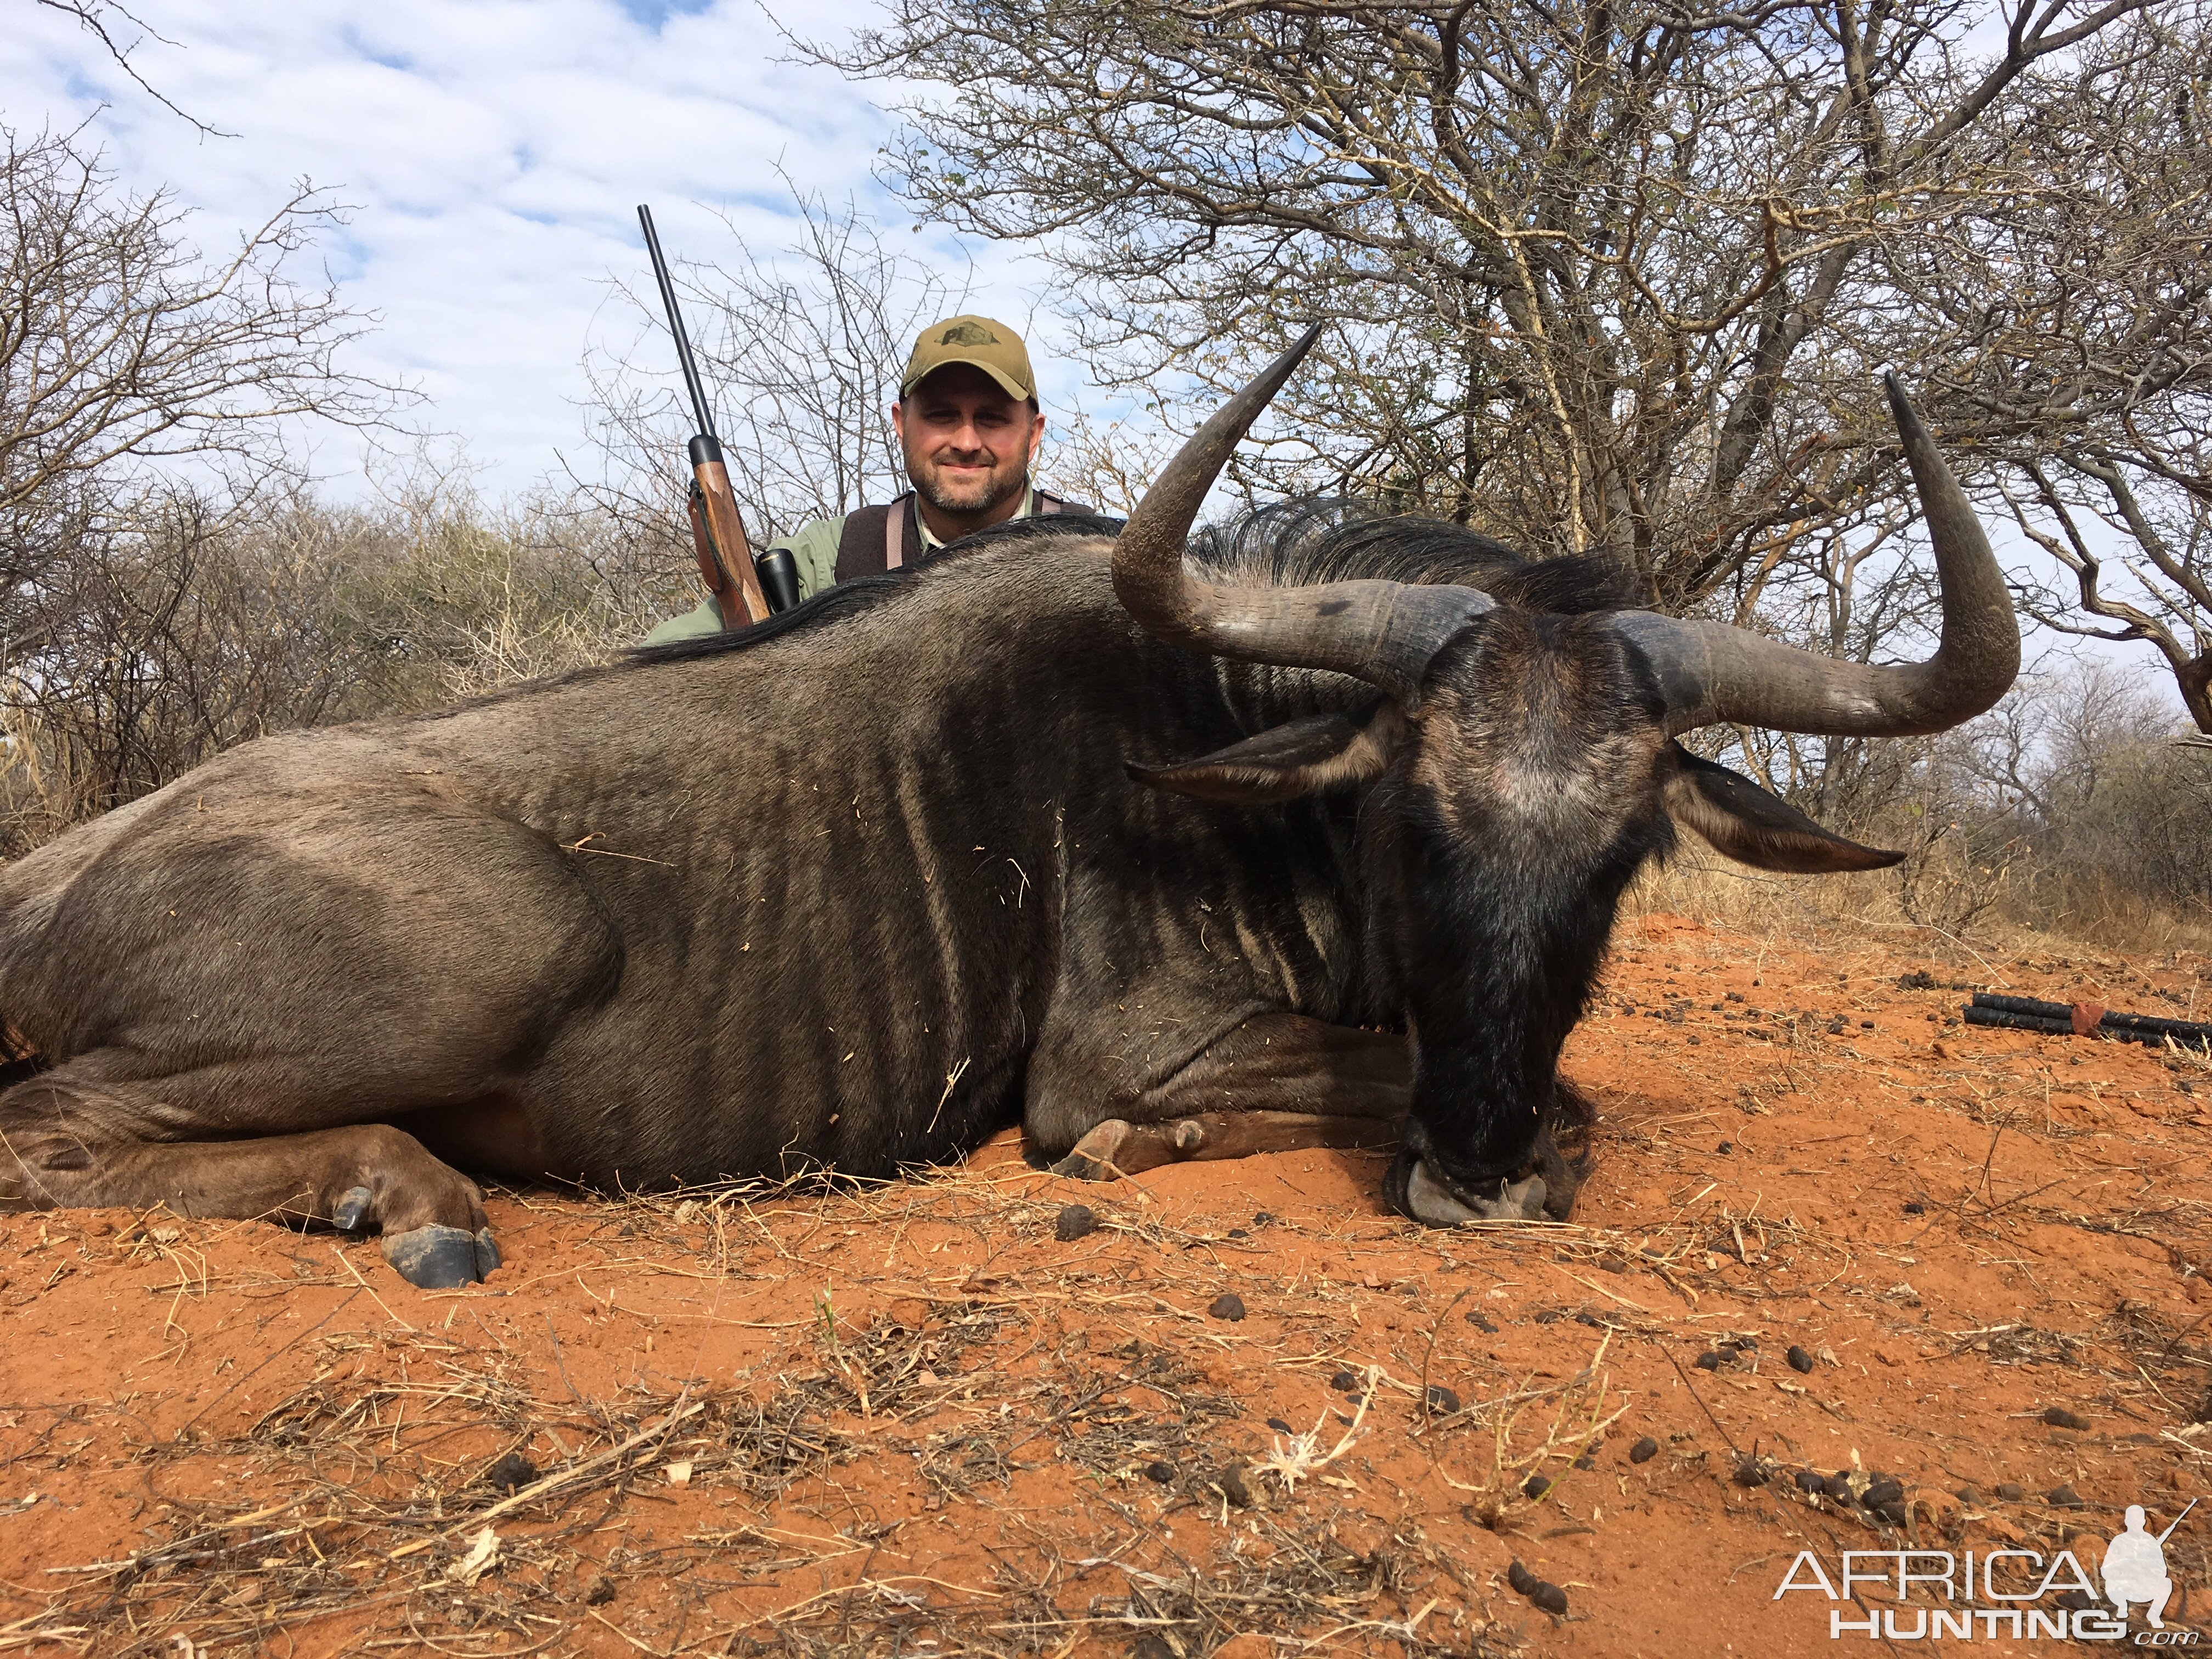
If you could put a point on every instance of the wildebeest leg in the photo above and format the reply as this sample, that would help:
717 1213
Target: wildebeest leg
1117 1146
1281 1082
67 1144
1276 1083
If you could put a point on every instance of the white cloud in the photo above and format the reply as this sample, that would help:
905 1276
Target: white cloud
492 152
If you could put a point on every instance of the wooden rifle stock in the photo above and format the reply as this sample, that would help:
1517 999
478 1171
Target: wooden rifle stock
718 537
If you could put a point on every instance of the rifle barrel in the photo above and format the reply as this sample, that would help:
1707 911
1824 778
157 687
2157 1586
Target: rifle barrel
2177 1520
676 324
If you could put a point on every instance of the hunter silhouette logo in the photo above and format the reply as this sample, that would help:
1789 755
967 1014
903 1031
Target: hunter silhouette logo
968 334
2135 1567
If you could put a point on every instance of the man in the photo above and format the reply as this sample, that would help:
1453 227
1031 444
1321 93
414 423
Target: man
968 424
2135 1569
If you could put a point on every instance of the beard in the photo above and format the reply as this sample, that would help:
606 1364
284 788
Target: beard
968 499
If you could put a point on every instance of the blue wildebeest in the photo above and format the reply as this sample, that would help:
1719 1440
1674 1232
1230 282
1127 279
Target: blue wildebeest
560 933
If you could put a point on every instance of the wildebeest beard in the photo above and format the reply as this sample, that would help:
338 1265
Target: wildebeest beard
1492 890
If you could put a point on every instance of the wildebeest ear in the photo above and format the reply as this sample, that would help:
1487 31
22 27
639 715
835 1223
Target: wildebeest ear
1746 823
1298 758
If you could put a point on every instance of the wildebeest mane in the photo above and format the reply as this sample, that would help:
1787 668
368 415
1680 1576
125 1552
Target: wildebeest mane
858 593
1293 544
1287 544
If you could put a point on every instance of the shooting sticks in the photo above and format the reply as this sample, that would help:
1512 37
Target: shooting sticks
2083 1019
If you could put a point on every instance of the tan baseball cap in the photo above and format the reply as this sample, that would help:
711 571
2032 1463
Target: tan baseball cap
990 346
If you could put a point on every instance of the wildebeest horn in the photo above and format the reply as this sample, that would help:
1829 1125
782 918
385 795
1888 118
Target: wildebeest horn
1709 672
1381 632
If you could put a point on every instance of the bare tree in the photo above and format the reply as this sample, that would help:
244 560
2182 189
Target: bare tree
1104 461
1609 276
146 399
109 23
121 348
2165 552
2071 325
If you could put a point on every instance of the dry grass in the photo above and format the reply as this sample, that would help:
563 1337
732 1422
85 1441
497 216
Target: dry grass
1931 904
373 1480
367 1500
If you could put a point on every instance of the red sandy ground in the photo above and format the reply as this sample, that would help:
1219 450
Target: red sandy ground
912 1420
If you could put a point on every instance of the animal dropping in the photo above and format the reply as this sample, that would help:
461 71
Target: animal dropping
1540 1592
510 1472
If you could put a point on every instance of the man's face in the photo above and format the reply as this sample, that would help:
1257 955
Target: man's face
968 445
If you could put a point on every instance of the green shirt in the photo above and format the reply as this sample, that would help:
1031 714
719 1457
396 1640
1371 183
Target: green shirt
813 550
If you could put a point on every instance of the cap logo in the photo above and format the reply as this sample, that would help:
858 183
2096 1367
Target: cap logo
968 334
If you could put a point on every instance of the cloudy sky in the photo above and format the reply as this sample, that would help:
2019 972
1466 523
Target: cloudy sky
492 152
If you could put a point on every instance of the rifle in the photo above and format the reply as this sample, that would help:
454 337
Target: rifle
746 589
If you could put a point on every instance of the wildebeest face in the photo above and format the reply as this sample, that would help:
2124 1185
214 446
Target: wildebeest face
1535 744
1495 852
1504 815
1542 742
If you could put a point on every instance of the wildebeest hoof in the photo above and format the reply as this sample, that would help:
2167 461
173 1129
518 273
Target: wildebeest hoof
1561 1179
435 1258
1428 1199
1093 1157
351 1214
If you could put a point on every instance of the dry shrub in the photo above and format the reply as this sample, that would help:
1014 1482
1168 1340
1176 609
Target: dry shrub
1941 896
2080 805
1979 878
178 627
